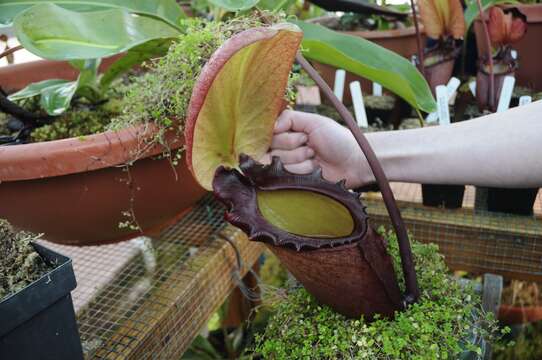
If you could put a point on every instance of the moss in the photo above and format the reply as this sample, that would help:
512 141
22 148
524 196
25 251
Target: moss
438 326
163 93
80 121
20 264
384 102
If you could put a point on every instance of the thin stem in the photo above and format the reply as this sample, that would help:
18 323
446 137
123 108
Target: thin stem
418 38
489 57
409 273
11 51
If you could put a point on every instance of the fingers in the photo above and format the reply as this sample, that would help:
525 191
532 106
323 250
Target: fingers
298 121
305 167
295 156
288 140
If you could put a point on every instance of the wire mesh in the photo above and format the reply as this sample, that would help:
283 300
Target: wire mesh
148 298
476 241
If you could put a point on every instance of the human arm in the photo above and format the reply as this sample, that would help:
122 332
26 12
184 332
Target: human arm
496 150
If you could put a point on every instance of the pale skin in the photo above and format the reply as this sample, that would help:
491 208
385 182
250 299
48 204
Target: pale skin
498 150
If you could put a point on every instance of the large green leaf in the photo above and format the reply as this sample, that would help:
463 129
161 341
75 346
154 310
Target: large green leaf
368 60
53 32
35 89
166 10
57 98
471 12
134 56
305 213
234 5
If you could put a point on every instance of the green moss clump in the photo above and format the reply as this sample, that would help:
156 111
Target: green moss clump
163 93
81 120
441 325
20 264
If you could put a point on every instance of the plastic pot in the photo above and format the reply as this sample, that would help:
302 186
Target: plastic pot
447 196
77 190
39 320
512 201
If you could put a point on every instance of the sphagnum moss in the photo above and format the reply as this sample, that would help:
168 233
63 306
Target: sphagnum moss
20 264
439 326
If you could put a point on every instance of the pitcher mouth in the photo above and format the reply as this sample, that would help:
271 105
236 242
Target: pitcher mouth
241 193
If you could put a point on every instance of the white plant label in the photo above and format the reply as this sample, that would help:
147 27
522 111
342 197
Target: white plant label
432 117
472 88
359 106
452 87
524 100
506 93
338 87
377 89
442 105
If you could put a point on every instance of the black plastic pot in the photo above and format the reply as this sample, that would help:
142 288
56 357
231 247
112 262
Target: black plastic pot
38 322
511 201
447 196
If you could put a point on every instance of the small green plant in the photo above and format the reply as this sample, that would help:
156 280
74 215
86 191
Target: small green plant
447 321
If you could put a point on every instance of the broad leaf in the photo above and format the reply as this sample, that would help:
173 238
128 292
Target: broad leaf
237 98
53 32
56 99
35 89
471 12
134 56
287 210
359 7
166 10
234 5
275 5
368 60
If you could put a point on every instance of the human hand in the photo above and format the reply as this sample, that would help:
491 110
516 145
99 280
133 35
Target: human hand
304 141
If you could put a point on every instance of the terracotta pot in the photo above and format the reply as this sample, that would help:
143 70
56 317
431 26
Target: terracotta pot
76 190
529 73
512 315
400 41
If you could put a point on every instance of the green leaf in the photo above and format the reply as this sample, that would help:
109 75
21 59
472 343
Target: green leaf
234 5
471 12
368 60
35 89
165 10
287 210
134 56
55 33
275 5
56 99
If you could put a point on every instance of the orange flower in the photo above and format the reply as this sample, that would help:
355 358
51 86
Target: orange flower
503 28
442 18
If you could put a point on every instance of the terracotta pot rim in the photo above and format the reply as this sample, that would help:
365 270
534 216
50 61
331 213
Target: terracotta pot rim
81 154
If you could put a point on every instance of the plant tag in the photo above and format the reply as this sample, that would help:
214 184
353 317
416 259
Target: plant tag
472 88
432 117
524 100
506 93
442 105
377 89
359 106
452 87
308 95
338 88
